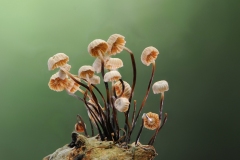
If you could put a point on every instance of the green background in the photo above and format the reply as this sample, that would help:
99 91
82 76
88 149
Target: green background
198 42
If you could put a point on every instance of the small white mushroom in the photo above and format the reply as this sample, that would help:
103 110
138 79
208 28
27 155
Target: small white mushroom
116 43
149 55
112 76
121 104
58 60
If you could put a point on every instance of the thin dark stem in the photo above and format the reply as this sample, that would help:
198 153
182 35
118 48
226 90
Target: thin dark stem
91 126
139 133
134 110
145 98
100 95
83 124
107 92
123 87
96 120
115 120
161 105
132 91
157 130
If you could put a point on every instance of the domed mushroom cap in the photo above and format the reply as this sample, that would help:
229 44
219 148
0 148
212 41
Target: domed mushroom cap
97 48
113 63
149 55
79 127
116 43
57 83
86 71
121 104
97 64
112 76
118 89
58 60
151 120
160 87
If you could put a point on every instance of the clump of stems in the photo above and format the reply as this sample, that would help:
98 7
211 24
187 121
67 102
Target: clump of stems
105 117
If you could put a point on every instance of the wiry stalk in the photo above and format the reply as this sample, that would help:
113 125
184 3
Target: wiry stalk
134 110
145 98
132 90
139 133
115 120
91 126
96 120
107 92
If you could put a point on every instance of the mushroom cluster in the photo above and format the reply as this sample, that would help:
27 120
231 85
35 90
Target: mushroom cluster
103 112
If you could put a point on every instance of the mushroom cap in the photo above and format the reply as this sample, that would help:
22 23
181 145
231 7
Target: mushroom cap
112 76
149 55
56 83
121 104
85 71
97 64
118 89
79 127
95 79
96 47
113 63
58 60
152 122
160 87
116 43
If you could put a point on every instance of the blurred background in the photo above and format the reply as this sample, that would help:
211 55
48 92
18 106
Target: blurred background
199 57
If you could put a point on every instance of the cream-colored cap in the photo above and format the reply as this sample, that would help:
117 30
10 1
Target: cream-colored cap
149 55
56 83
121 104
112 76
118 89
58 60
151 121
160 87
97 48
86 71
116 43
113 63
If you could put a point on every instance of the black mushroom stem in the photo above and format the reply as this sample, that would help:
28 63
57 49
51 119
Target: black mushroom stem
132 91
145 98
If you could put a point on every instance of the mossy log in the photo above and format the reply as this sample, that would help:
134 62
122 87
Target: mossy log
83 148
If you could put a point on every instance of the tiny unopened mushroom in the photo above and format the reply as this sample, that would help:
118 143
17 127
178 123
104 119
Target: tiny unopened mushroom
149 55
112 76
58 83
116 43
118 89
98 48
151 121
86 72
58 60
113 63
79 127
121 104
